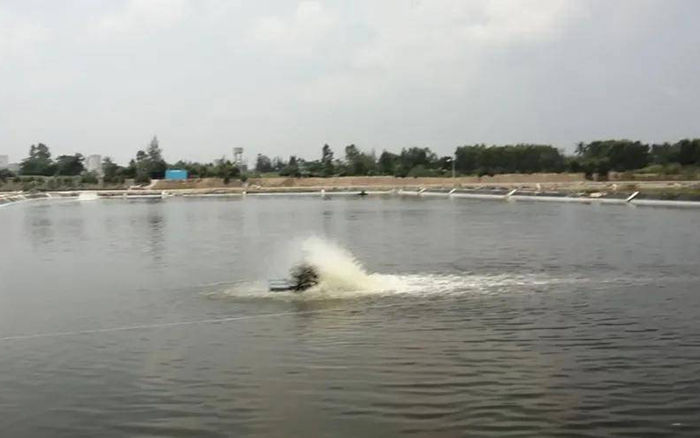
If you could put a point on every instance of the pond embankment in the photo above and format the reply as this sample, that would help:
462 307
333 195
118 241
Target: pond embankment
538 187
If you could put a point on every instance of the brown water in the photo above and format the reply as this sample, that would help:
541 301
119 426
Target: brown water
136 318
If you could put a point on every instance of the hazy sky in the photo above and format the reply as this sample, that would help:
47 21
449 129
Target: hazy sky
281 77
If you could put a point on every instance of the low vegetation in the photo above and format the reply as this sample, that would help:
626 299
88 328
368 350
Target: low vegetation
595 159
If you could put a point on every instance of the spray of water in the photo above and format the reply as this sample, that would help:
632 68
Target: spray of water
337 268
341 275
88 196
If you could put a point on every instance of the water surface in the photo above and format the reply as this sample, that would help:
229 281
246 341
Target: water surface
146 318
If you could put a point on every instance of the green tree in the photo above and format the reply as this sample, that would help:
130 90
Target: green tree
444 163
292 168
142 168
69 165
573 164
521 158
619 155
413 157
156 164
689 152
130 169
6 174
89 178
226 170
278 164
327 161
112 172
388 163
665 153
263 164
39 161
359 163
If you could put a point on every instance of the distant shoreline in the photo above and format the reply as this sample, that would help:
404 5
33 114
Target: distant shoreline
633 192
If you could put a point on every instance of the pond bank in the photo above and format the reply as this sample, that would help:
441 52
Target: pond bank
657 193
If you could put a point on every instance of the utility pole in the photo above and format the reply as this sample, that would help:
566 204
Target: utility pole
454 161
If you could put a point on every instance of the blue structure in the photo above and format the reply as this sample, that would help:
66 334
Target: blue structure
177 174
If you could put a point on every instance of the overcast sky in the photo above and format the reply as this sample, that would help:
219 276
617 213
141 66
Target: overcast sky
283 77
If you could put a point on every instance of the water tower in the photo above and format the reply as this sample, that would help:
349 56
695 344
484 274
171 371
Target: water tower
238 156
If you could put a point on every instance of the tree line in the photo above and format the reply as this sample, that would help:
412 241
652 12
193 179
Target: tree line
147 164
410 162
594 158
600 157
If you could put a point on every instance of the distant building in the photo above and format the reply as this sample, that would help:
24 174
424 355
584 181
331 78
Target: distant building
4 161
93 163
175 174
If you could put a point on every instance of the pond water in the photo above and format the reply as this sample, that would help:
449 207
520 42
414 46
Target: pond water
435 317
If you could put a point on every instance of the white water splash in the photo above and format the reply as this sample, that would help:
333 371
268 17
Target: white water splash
340 273
342 276
338 269
88 196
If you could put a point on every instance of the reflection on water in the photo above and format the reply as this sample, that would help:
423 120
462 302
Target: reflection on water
38 227
491 319
155 231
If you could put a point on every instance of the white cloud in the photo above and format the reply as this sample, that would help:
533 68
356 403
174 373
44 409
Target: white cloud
445 29
297 34
438 44
144 16
508 21
18 35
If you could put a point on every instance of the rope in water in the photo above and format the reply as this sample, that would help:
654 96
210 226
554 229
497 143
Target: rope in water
172 324
155 325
